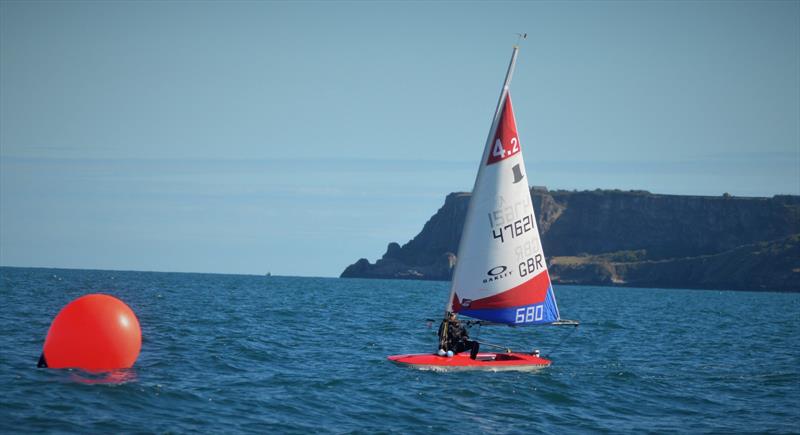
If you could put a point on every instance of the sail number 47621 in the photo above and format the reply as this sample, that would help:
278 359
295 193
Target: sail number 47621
533 313
514 229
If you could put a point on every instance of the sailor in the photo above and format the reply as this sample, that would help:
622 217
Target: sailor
453 337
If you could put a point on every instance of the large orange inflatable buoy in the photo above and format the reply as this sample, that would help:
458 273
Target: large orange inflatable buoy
94 332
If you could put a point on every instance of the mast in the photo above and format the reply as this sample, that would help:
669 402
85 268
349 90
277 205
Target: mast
486 150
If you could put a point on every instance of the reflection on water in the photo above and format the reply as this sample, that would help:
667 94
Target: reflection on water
118 376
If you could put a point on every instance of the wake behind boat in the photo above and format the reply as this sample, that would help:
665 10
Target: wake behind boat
501 275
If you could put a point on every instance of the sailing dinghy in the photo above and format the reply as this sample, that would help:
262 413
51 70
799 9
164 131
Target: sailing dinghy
501 276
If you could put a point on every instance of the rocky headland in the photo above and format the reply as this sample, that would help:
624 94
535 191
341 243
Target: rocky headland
629 238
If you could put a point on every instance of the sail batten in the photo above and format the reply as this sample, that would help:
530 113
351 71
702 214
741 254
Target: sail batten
501 274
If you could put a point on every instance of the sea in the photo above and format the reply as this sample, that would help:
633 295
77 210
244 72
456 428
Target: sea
273 354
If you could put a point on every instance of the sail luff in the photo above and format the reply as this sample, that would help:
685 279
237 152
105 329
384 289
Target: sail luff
486 150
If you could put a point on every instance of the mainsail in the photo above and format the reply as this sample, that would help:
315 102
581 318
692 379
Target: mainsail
501 275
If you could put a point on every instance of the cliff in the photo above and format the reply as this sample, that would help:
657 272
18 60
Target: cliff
634 238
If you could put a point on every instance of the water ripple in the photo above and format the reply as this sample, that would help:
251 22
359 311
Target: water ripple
295 355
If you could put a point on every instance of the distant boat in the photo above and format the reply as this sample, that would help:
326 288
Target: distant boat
268 274
501 275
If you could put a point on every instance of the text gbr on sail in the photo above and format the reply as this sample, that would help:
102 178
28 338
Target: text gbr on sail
531 265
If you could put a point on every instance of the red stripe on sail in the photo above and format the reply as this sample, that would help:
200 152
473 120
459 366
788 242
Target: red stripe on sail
506 142
530 292
456 303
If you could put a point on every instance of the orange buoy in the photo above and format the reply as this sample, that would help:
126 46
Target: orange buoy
93 332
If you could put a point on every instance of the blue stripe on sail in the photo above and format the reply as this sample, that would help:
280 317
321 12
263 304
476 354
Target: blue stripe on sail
523 315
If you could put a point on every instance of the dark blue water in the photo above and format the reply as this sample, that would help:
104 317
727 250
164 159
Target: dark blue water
226 353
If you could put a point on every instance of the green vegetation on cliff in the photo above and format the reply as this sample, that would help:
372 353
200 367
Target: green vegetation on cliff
633 238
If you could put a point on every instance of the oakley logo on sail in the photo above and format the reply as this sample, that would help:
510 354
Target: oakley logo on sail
498 272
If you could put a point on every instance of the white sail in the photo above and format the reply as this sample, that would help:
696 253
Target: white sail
501 274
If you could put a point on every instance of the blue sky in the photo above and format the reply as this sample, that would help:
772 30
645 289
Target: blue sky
297 137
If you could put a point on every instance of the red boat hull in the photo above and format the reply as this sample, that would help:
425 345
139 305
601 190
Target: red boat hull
484 361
